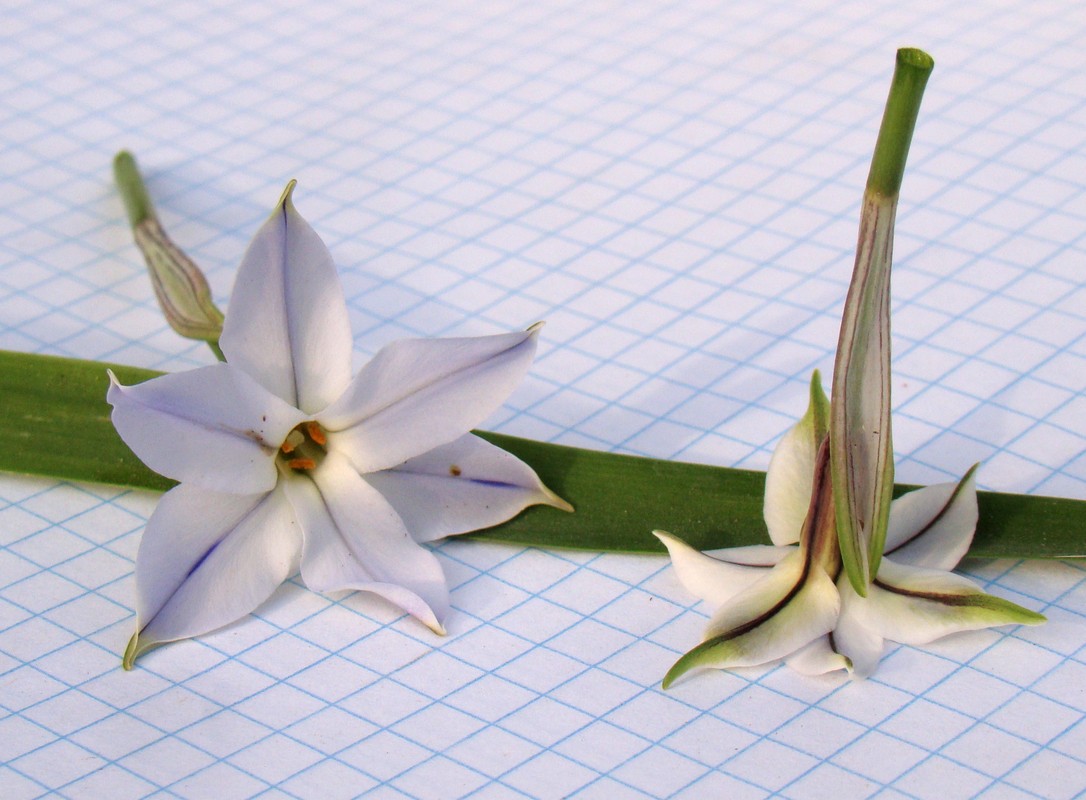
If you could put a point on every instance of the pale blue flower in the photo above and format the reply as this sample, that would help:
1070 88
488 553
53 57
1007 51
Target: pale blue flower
285 461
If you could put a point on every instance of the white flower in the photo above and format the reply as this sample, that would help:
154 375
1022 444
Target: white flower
283 459
793 600
825 596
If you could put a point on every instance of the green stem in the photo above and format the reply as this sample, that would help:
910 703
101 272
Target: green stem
137 202
58 426
898 121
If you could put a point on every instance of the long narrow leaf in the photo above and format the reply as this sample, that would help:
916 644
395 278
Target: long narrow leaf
58 427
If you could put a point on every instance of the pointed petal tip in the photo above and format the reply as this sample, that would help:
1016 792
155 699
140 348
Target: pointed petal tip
427 617
115 386
859 675
675 545
820 657
686 662
536 327
286 199
818 403
665 537
915 605
553 500
672 675
1011 613
131 652
424 612
1032 618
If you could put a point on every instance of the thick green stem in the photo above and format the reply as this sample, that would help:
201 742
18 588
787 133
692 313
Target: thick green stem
898 121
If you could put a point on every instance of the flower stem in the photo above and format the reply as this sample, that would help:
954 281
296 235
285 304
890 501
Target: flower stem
898 121
137 203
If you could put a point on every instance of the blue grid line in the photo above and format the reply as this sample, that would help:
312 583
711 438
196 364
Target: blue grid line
236 656
843 687
418 153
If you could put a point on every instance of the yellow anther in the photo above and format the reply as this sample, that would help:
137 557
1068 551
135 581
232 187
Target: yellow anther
316 433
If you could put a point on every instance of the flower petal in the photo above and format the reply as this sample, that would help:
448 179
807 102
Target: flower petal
818 658
933 527
716 578
418 394
862 646
462 486
787 609
790 477
916 606
287 323
208 559
353 539
213 426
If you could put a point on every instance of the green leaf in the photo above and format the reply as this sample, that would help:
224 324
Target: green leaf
59 424
58 427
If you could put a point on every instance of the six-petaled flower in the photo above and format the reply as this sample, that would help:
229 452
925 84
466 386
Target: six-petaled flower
284 460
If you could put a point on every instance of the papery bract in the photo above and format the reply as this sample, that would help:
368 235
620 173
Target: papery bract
180 287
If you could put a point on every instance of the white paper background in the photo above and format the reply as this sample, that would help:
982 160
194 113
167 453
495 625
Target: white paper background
674 188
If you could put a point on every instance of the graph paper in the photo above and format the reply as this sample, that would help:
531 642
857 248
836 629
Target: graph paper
674 187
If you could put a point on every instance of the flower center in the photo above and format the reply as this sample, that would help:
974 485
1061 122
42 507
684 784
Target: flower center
304 448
